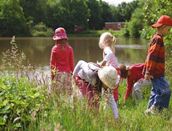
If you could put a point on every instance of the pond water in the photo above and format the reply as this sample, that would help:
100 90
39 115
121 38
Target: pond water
37 50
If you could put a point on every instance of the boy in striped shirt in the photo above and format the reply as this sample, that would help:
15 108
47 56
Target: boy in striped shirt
154 69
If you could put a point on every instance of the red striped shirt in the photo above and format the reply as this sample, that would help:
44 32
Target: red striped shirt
155 61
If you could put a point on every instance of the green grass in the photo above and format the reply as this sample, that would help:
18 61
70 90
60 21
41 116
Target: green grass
72 114
63 115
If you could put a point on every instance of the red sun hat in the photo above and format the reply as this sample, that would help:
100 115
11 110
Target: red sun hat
163 20
60 34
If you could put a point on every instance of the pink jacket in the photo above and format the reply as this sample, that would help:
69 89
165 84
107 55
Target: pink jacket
62 58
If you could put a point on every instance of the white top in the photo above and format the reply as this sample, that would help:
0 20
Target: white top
110 57
86 71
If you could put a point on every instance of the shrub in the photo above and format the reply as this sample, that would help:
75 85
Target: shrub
20 97
20 102
41 30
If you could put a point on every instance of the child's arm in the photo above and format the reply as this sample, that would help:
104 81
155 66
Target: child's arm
71 60
53 64
78 67
128 89
153 52
102 63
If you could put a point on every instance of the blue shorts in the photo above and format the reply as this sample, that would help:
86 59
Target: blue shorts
160 93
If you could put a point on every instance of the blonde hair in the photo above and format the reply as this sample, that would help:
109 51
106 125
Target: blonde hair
107 39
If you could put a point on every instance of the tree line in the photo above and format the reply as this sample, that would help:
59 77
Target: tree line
147 13
41 17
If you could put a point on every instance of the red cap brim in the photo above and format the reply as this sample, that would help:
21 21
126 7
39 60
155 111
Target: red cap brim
59 37
156 25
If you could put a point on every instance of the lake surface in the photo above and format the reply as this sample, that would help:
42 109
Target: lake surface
37 50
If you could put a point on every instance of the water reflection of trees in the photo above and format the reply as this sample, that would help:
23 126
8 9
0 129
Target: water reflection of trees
130 56
86 49
38 50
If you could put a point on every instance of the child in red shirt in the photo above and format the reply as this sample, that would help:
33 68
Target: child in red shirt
135 80
62 57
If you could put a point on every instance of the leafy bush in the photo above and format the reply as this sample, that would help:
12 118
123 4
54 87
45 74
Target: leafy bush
41 30
20 102
169 62
136 24
20 97
12 19
125 30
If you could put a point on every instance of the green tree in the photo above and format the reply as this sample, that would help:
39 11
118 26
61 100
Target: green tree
68 13
106 12
124 11
136 24
152 11
20 17
34 10
54 12
95 19
12 20
41 30
77 13
145 15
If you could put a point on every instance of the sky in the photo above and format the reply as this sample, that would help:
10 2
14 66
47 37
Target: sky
116 2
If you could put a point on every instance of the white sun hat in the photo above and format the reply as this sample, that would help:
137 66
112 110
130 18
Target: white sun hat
108 75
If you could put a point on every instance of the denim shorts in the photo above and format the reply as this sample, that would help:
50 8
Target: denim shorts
160 93
161 86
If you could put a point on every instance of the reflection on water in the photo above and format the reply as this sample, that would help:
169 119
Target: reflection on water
38 50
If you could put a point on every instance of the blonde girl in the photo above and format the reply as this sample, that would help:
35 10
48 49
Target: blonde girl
106 43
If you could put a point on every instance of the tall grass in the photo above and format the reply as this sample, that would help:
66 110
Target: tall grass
22 90
74 114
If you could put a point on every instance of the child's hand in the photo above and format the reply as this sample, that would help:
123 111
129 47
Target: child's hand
102 63
98 63
148 77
